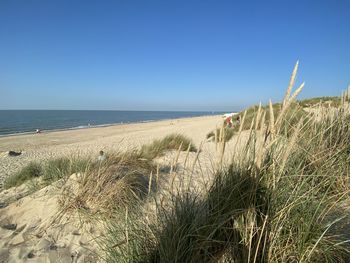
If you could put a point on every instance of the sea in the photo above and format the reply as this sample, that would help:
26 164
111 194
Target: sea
14 122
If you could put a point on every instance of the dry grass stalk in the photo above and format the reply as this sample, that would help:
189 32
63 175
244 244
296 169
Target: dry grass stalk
150 183
251 227
296 92
221 136
187 154
260 238
272 121
291 83
222 144
223 133
157 176
251 126
126 228
240 129
216 138
222 153
262 120
242 122
287 104
238 138
290 145
258 115
195 160
260 147
173 166
246 145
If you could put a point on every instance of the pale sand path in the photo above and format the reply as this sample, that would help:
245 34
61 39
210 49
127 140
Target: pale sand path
38 147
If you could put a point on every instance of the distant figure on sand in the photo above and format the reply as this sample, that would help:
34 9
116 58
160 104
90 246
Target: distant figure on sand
102 156
228 121
13 153
238 120
37 131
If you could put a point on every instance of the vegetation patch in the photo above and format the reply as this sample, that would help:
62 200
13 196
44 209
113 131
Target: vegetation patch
255 114
28 172
122 180
49 171
61 167
227 134
275 202
331 101
171 142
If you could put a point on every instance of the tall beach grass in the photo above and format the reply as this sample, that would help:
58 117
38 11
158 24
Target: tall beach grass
276 201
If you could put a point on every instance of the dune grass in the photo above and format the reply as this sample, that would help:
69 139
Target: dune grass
169 142
28 172
122 180
258 115
275 202
207 224
312 102
48 171
227 134
58 168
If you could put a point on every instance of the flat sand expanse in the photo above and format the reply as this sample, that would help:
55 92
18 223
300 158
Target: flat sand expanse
38 147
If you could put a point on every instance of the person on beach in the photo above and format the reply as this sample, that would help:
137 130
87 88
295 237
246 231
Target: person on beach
37 131
238 120
102 156
228 122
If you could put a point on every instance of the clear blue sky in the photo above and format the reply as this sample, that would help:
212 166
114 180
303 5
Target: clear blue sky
168 55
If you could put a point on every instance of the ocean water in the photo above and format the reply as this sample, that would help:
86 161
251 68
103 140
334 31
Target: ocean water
27 121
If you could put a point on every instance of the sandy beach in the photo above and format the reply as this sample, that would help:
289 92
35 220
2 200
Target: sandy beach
35 226
123 137
30 231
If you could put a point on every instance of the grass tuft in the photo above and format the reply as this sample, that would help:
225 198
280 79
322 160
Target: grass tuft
49 171
61 167
228 134
170 142
122 180
28 172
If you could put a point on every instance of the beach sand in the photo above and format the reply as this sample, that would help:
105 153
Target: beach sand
39 147
29 227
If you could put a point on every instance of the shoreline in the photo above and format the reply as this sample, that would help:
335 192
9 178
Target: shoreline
89 141
83 127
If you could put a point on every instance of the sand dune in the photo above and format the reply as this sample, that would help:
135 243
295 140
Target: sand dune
32 227
33 230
